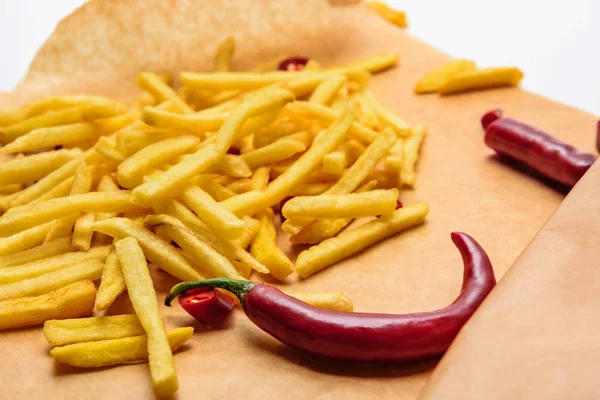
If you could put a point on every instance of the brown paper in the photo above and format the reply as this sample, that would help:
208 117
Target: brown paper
102 47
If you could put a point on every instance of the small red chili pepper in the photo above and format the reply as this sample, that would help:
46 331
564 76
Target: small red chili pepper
206 305
293 64
490 117
538 150
362 337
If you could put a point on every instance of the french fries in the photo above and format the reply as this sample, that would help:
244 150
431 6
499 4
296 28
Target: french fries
143 298
44 138
49 249
277 151
326 300
128 350
74 300
352 241
196 123
264 248
24 240
60 332
31 168
222 62
112 283
397 18
481 79
410 155
158 88
434 80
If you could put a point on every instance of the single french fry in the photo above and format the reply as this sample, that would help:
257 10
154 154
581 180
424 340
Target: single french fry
157 250
143 298
128 350
297 172
352 241
393 162
260 178
12 115
61 190
240 186
373 64
324 228
396 17
481 79
222 62
157 87
259 103
435 79
386 116
310 189
82 231
332 301
70 101
90 269
31 168
196 123
277 151
24 240
240 258
46 183
356 130
176 176
106 126
274 132
51 264
45 250
216 190
354 205
366 114
410 155
327 89
112 284
132 170
43 138
335 162
252 226
203 254
11 188
107 148
51 118
106 184
217 217
264 248
59 332
231 165
130 141
71 301
27 216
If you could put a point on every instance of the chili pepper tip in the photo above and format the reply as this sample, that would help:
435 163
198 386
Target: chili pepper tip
490 117
238 287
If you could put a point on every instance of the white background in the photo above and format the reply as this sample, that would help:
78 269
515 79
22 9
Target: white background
555 42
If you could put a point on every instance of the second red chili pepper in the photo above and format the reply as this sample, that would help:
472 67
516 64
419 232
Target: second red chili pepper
362 337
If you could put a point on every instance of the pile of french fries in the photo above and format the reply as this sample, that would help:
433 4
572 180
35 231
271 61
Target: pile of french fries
191 181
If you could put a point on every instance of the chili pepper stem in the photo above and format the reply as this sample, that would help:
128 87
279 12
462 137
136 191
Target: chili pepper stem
238 287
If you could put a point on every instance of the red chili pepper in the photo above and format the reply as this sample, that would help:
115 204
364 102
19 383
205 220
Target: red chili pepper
206 305
362 337
538 150
490 117
293 64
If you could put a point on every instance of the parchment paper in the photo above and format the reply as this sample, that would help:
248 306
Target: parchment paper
102 47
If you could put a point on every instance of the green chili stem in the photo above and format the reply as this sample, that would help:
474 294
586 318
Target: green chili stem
236 286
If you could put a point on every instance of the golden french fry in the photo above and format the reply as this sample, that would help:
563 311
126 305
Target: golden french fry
373 64
112 283
366 114
297 173
106 184
203 254
43 138
335 162
130 141
310 189
143 100
324 228
216 190
252 226
11 188
481 79
128 350
410 155
24 240
45 184
259 103
62 102
327 89
240 185
143 298
435 79
352 241
196 123
51 264
356 130
59 332
386 116
45 250
327 300
132 170
158 251
107 148
61 190
33 167
46 120
27 216
354 205
176 176
71 301
12 115
260 178
106 126
153 84
240 258
277 151
275 131
396 17
222 62
264 248
82 183
82 231
217 217
231 165
393 162
90 269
